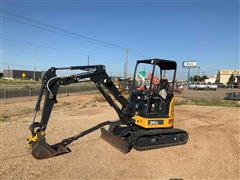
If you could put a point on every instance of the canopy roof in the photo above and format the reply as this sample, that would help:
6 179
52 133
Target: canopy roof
162 63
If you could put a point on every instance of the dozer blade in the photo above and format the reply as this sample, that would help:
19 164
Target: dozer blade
40 149
122 144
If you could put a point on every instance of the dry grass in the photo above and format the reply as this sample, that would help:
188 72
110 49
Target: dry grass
4 118
207 102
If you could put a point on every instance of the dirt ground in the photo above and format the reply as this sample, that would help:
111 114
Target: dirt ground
211 153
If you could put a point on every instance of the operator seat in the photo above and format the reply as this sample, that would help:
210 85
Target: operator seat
165 94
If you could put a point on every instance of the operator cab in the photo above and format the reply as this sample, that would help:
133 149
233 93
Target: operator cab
152 93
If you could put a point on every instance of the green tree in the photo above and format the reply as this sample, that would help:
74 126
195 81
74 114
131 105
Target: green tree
198 78
231 80
203 78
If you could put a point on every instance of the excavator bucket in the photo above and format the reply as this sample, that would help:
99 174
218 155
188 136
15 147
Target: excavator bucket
40 149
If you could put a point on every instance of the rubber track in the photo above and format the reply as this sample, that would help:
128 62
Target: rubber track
152 132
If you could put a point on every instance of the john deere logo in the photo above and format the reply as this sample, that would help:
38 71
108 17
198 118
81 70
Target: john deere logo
24 75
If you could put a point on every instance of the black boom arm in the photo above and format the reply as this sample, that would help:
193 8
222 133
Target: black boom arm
95 73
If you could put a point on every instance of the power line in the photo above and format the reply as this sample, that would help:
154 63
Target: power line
12 52
56 49
41 57
46 29
62 31
16 65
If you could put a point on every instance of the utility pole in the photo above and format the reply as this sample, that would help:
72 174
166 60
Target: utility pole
88 58
126 65
34 64
188 74
8 72
198 73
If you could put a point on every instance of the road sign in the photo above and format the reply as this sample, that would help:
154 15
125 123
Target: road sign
23 75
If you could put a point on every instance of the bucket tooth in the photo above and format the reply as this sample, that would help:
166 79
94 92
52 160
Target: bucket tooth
122 144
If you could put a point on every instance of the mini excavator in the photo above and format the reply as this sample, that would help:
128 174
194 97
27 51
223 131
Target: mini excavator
146 118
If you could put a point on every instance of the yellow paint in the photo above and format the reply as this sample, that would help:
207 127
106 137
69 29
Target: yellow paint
171 108
167 122
143 122
33 138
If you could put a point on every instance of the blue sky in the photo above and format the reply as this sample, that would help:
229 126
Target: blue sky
205 31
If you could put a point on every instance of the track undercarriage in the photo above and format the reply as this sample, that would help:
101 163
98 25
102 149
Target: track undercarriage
122 137
125 138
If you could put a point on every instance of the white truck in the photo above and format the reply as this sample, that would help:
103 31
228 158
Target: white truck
202 86
196 86
210 86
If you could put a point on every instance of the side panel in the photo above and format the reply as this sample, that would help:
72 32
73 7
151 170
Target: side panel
153 122
171 108
157 122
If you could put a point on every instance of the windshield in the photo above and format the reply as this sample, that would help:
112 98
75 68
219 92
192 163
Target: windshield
148 81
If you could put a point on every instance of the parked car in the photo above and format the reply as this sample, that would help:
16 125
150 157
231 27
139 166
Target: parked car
197 86
202 86
234 96
210 86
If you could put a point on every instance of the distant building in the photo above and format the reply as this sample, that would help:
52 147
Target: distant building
211 79
22 74
224 75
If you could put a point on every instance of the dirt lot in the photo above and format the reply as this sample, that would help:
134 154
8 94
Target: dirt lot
211 153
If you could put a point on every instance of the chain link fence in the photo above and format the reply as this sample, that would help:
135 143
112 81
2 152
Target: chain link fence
11 93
